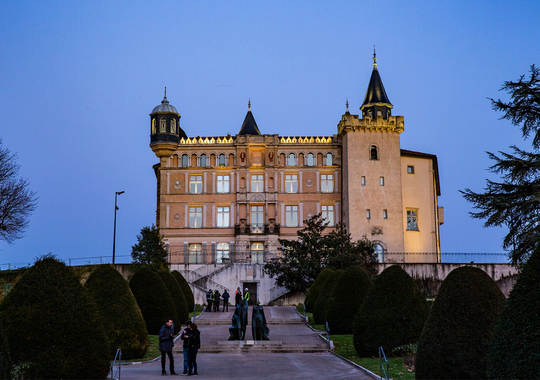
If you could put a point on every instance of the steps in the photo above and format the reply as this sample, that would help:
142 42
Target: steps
242 347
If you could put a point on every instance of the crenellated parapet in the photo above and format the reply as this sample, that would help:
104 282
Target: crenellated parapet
307 139
352 122
206 140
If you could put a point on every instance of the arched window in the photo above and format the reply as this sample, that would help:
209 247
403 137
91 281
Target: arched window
153 125
329 159
163 127
185 161
292 160
203 160
310 159
173 126
374 153
221 159
379 251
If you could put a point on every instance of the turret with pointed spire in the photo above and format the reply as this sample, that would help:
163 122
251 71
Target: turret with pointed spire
165 131
249 127
376 103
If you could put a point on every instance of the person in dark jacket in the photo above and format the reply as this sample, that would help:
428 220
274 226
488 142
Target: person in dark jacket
217 298
238 297
225 297
194 344
166 343
185 334
209 300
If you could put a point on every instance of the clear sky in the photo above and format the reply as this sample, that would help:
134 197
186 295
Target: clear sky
79 78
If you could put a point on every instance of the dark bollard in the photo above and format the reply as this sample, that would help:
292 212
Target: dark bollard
258 324
239 322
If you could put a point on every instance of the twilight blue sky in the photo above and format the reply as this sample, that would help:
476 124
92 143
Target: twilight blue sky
78 80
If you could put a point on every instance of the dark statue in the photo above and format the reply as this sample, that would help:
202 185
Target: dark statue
239 323
258 324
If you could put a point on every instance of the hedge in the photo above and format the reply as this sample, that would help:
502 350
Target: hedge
52 325
323 301
188 293
153 298
392 315
348 296
456 337
119 313
178 298
316 288
515 349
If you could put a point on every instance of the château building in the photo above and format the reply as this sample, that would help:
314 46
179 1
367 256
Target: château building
228 199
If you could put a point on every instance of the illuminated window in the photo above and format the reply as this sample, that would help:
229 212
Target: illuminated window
195 253
153 126
328 214
222 252
203 161
291 183
163 127
374 153
257 252
412 220
173 126
291 216
257 183
223 216
291 161
195 217
327 183
195 184
223 184
310 159
329 159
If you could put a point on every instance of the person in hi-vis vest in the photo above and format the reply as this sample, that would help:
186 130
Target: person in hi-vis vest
246 296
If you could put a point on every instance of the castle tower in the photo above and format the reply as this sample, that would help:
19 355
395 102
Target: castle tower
371 166
165 131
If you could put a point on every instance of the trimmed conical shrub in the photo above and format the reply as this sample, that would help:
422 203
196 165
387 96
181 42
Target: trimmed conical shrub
118 311
153 298
5 361
392 315
348 296
178 298
316 288
52 324
515 349
456 337
323 301
188 293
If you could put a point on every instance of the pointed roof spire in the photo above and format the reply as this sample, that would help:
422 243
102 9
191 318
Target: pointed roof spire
347 105
376 94
249 126
165 101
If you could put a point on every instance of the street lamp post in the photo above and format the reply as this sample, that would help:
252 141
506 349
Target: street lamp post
116 194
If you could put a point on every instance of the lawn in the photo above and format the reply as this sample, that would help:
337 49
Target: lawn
311 320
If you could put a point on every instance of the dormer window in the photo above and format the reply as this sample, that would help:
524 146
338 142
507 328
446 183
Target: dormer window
163 126
374 153
173 126
154 126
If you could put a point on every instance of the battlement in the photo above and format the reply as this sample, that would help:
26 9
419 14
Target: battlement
352 122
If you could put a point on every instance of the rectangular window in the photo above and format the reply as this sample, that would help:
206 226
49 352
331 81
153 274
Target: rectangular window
381 179
410 169
257 252
328 214
222 252
223 184
327 183
368 213
257 183
412 220
385 214
363 180
291 183
257 219
195 253
195 217
291 216
223 216
195 184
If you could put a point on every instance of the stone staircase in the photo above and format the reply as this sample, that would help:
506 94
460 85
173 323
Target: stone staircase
260 347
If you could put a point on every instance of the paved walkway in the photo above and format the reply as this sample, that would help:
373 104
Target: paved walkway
292 365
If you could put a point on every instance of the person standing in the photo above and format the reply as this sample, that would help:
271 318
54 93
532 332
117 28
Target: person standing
193 347
186 333
225 297
166 343
209 300
217 298
246 296
238 297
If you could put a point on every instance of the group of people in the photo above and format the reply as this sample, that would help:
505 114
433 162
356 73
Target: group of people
192 342
239 298
213 299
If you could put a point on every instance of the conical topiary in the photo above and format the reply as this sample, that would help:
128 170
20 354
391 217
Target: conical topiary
178 298
5 360
316 288
456 337
323 301
515 349
52 325
188 293
119 313
153 298
348 296
392 315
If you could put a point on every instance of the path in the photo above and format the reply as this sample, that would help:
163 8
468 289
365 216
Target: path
302 354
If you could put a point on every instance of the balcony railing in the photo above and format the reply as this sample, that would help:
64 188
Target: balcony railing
256 229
